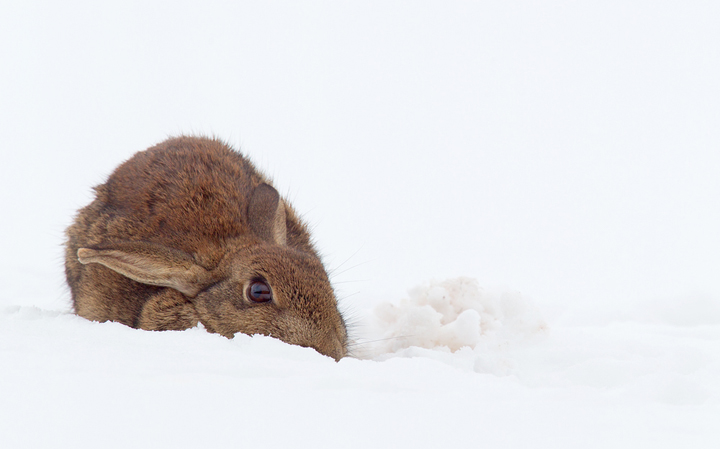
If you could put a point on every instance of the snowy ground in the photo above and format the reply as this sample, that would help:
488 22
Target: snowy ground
519 203
72 383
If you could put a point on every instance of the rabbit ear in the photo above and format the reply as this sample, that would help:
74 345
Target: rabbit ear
151 264
266 215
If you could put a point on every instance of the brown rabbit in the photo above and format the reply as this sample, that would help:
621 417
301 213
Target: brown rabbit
189 231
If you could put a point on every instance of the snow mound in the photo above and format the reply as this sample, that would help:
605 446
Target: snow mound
455 321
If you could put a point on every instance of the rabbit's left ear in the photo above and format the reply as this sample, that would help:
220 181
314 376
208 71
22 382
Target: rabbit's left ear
151 264
266 215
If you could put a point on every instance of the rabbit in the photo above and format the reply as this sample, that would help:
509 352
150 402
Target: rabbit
189 232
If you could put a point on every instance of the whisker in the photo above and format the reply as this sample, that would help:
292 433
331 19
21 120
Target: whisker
346 260
333 273
358 343
348 296
349 282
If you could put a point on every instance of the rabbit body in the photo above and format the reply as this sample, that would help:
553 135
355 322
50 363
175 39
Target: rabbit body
189 231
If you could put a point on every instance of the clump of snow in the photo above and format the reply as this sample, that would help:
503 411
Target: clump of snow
454 316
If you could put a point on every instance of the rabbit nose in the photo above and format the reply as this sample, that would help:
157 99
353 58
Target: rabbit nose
337 347
331 347
338 350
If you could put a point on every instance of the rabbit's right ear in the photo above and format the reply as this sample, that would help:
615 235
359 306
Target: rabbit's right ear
151 264
266 215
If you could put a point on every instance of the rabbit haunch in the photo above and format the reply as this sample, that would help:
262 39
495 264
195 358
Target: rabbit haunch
182 233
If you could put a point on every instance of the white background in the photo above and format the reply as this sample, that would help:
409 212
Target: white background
566 150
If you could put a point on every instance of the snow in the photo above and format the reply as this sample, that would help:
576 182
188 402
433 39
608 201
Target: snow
518 204
624 384
451 316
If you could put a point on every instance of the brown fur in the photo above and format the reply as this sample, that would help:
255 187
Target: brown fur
175 236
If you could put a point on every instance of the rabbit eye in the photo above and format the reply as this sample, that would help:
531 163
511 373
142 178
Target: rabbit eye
259 291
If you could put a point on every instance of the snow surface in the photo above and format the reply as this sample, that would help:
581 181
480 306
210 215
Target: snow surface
494 375
562 156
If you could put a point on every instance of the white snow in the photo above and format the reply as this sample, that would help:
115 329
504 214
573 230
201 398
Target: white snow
70 382
519 204
455 316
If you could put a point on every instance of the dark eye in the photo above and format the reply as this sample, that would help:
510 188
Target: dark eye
259 291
